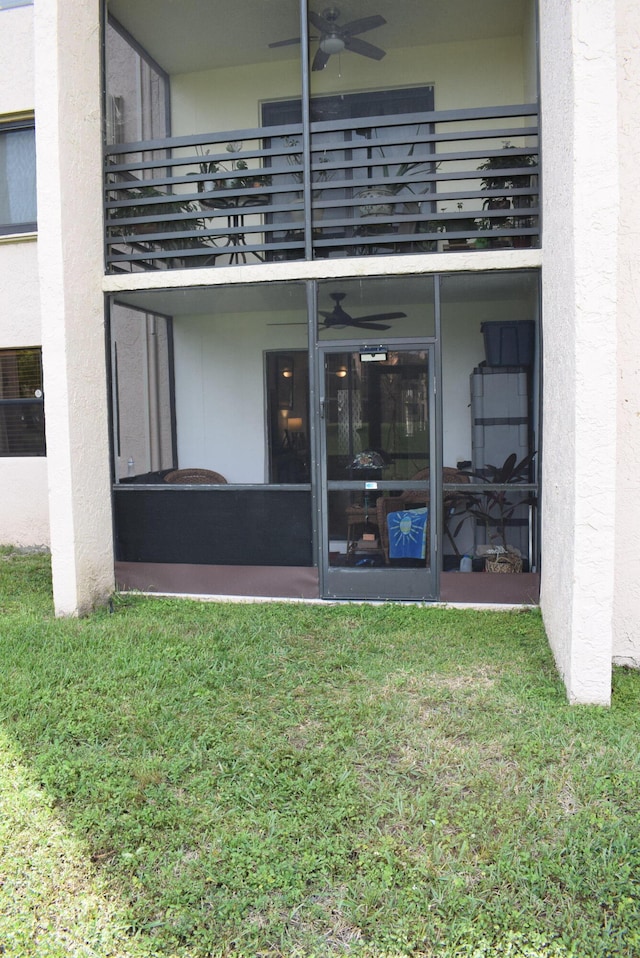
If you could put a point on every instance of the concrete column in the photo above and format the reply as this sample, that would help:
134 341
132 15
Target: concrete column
626 620
68 142
579 137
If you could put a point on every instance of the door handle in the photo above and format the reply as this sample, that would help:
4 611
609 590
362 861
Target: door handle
322 402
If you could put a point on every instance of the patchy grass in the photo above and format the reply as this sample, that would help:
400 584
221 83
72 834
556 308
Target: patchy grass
207 781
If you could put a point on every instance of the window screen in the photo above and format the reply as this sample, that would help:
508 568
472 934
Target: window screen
21 403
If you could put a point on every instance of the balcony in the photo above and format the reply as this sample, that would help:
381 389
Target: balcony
422 182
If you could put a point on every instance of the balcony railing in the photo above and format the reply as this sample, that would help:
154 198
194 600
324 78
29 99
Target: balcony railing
411 183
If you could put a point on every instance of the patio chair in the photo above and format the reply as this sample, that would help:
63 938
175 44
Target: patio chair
417 499
195 477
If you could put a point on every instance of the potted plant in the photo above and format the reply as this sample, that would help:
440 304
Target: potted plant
173 204
382 196
170 205
320 176
493 509
459 225
235 169
499 177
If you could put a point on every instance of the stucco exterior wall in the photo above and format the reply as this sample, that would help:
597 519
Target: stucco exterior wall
68 144
16 61
24 504
626 613
579 321
19 294
24 508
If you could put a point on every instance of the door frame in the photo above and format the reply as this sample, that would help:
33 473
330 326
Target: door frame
376 583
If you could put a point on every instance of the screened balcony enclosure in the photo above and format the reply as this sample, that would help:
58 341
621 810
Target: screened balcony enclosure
271 132
293 427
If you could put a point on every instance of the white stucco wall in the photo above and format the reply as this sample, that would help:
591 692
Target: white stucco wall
16 61
626 613
70 255
579 322
19 294
24 505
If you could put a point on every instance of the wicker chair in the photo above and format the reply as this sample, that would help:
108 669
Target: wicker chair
417 498
195 477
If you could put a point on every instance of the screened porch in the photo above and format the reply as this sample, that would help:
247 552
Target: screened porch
242 139
279 429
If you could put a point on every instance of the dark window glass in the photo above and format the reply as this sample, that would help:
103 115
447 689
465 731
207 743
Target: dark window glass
21 403
17 179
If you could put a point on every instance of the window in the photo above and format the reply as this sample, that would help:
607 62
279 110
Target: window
361 160
17 177
21 403
288 416
7 4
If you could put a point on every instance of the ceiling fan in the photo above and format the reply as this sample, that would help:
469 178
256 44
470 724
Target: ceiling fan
335 37
338 318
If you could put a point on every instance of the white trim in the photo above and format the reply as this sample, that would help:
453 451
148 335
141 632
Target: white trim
460 262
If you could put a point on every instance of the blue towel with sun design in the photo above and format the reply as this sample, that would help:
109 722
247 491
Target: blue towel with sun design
408 534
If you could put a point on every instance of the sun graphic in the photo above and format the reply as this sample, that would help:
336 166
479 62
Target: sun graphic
408 534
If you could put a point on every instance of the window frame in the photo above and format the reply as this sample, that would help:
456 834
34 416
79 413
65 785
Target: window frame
8 127
26 404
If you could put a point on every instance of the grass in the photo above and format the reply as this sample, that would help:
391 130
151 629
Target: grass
209 780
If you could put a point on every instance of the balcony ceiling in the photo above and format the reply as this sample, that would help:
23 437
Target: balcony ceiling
238 31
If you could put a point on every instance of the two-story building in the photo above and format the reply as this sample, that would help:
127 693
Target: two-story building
335 302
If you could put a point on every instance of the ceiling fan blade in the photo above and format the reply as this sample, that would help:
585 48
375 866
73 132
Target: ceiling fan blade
362 25
376 316
320 60
361 324
324 26
338 318
284 43
355 45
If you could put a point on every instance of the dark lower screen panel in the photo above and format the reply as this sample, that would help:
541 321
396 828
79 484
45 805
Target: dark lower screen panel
213 526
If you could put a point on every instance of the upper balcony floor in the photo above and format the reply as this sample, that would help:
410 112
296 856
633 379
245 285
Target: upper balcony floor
289 131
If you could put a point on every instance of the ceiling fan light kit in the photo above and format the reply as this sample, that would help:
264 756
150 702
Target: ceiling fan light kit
332 44
335 38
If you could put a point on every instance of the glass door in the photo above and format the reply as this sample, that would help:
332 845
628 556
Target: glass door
377 446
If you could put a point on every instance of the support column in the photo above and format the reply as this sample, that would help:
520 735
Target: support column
68 143
579 137
626 619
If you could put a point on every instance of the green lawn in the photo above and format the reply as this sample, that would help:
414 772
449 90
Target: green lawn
190 780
